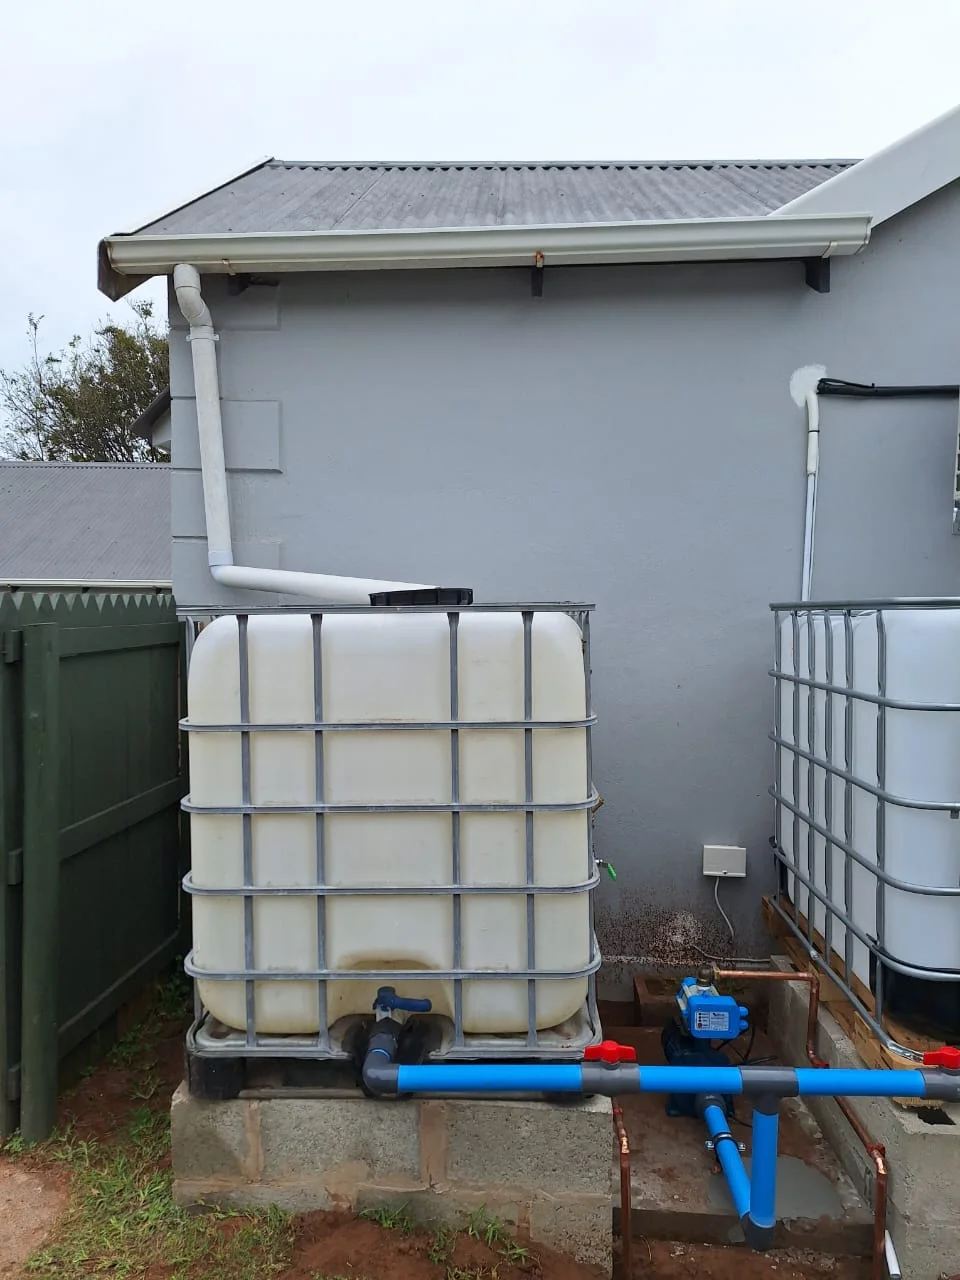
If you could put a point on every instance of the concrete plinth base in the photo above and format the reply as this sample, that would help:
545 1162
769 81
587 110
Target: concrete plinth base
545 1169
923 1148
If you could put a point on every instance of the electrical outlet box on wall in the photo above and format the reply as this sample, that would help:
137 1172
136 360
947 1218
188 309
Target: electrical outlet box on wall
725 860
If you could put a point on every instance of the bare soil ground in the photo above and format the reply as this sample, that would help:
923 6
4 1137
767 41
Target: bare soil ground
30 1205
338 1245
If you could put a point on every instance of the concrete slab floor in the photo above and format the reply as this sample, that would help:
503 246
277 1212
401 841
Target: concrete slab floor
678 1194
802 1191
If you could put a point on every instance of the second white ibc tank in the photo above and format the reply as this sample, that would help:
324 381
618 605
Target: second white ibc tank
912 755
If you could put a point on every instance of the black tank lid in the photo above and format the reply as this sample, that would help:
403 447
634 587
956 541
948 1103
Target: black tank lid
443 596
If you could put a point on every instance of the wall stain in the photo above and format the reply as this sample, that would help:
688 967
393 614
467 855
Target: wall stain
636 934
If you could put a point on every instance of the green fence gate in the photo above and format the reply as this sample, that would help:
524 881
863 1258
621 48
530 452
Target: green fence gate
90 783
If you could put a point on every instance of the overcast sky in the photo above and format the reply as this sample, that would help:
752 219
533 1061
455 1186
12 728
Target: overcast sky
112 111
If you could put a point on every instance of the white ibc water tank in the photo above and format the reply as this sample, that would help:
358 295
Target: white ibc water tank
379 670
900 655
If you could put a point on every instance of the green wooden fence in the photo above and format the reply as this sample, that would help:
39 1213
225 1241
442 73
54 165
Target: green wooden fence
90 853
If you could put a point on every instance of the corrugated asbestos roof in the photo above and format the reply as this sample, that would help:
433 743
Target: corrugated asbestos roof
289 197
90 521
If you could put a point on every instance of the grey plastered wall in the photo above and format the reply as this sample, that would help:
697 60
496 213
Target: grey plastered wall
626 439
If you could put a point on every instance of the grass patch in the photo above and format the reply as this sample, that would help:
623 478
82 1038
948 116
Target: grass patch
493 1232
441 1246
390 1219
515 1253
15 1145
121 1218
496 1235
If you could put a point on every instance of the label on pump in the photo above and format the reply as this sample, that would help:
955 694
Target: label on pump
714 1021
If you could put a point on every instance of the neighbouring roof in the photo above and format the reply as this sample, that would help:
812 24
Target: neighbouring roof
155 411
283 196
94 522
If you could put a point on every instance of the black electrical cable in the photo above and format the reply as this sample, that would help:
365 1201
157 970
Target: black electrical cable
839 387
753 1035
745 1058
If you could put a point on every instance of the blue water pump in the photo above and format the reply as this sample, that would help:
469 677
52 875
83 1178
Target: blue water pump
703 1016
706 1014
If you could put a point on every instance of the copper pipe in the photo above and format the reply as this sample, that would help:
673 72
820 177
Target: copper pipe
875 1150
808 976
877 1153
626 1205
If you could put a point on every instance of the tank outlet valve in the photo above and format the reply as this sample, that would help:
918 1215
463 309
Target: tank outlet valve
947 1058
609 1053
388 1004
707 1015
608 867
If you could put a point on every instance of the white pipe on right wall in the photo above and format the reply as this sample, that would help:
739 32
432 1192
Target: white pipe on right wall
803 390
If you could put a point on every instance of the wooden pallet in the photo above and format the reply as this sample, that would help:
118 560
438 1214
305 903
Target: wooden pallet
872 1052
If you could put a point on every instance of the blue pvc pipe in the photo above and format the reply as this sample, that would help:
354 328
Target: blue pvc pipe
836 1082
763 1169
562 1077
728 1154
690 1080
493 1077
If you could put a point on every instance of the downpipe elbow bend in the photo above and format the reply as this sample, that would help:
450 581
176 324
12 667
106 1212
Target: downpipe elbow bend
186 286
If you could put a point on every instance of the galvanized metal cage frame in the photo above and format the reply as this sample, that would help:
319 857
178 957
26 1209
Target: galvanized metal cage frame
838 908
206 1039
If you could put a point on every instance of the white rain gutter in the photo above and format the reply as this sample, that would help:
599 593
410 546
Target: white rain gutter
696 240
803 389
216 504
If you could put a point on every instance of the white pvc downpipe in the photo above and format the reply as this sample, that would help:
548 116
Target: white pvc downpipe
803 389
216 503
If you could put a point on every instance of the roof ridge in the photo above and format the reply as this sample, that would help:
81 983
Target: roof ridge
561 164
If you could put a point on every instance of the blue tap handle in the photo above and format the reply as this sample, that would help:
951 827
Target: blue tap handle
388 1000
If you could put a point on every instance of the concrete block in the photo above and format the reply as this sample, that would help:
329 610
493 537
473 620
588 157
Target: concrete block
545 1171
365 1141
926 1251
293 1197
581 1226
923 1158
213 1140
434 1141
540 1145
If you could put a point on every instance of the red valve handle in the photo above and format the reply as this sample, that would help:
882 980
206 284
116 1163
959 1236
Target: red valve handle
610 1052
948 1057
